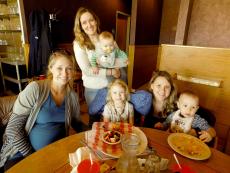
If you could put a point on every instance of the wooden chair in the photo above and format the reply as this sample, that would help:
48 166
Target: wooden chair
78 86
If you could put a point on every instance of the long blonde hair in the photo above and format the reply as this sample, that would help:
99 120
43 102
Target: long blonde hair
121 83
170 102
80 36
53 58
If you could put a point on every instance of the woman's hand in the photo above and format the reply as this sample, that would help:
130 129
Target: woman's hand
205 136
116 73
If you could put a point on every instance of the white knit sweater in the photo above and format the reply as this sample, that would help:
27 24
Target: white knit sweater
90 80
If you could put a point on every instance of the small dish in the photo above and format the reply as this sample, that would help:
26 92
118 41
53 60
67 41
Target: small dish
112 137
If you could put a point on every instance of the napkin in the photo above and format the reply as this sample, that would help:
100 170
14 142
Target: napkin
94 137
80 154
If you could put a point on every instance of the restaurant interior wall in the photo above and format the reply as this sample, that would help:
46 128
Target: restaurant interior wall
148 22
144 40
207 25
66 10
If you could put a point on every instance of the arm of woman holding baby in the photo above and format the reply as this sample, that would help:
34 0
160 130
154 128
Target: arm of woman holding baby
84 64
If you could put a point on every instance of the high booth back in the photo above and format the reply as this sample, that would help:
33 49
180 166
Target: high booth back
206 71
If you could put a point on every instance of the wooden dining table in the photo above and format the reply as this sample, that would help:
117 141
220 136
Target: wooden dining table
55 157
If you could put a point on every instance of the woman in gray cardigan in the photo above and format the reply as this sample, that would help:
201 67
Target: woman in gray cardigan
43 111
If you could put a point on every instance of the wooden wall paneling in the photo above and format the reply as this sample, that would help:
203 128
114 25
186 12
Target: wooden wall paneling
183 21
23 21
202 62
227 148
133 22
130 65
148 22
63 27
145 59
26 48
170 12
122 30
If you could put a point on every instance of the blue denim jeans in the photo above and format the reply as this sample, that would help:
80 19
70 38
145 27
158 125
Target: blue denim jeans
90 94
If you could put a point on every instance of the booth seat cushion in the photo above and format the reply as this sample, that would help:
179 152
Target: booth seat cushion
6 107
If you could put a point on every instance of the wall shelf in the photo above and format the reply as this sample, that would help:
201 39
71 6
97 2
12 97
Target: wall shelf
3 1
8 16
16 80
11 44
10 31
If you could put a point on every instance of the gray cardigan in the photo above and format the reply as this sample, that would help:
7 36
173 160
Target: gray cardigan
24 115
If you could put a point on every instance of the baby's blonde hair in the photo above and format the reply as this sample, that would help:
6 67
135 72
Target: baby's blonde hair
120 83
189 94
106 35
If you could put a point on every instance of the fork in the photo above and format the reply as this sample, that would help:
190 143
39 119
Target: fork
91 149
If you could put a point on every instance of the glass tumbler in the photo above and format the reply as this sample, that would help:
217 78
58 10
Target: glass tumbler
128 162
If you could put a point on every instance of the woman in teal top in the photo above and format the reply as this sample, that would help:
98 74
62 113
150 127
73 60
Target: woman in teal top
49 107
49 126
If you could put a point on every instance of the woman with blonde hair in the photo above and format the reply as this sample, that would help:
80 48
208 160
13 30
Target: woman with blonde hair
43 112
118 108
86 30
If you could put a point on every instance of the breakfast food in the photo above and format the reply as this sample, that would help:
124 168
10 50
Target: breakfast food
189 146
112 137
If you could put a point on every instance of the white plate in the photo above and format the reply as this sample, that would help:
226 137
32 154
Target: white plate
189 146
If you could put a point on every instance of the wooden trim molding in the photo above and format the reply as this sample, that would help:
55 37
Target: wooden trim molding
198 80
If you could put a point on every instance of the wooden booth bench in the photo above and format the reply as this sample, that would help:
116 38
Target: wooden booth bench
206 71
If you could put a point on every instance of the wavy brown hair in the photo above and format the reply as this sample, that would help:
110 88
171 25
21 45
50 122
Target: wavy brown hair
80 36
53 58
170 103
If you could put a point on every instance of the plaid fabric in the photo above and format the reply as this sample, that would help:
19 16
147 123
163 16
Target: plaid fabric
94 137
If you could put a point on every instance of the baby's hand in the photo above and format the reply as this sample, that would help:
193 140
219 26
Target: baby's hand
205 136
158 125
95 70
192 132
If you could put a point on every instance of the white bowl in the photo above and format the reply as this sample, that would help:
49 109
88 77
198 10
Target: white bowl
112 137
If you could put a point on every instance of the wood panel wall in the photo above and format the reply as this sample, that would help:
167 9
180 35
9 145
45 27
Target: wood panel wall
203 63
66 10
143 61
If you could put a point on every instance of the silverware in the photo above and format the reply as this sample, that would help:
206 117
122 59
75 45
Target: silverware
91 149
97 153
